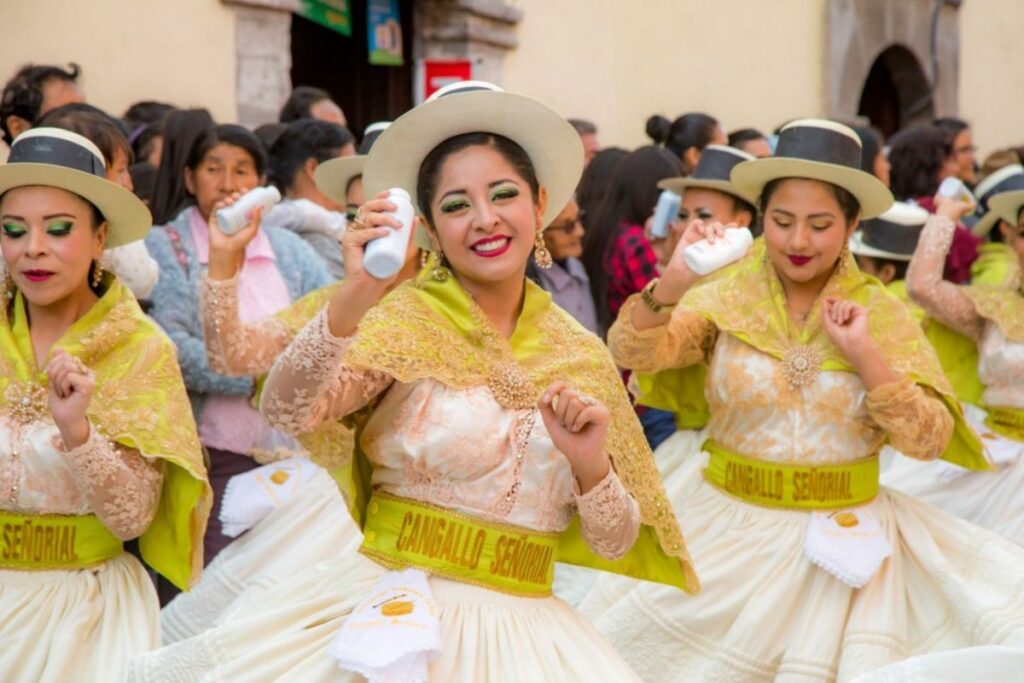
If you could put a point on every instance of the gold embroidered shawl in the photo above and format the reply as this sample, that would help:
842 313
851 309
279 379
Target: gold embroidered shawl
1002 305
139 401
748 302
425 329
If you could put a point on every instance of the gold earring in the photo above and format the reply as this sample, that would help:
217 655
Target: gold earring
6 282
97 274
843 256
439 273
540 253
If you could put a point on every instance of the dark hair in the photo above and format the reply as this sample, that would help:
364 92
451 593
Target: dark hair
146 112
188 136
900 267
583 127
952 125
597 178
430 169
870 145
97 126
143 180
269 133
689 130
632 195
23 94
738 137
848 204
916 156
367 144
299 102
304 139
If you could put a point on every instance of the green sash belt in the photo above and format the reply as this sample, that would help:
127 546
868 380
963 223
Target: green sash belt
1008 422
401 533
40 542
794 486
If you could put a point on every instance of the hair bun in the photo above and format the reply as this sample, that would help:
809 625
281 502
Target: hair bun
657 129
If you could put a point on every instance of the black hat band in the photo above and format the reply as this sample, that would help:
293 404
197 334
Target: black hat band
1014 182
812 143
891 237
43 149
715 165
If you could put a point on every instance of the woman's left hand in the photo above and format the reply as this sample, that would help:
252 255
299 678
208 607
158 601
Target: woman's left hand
578 426
71 389
846 324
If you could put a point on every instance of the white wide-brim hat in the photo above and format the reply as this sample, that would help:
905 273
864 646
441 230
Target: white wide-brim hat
893 235
335 175
554 146
816 149
1007 205
713 173
1006 179
54 157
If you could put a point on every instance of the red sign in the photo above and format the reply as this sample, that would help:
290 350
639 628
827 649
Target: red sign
438 73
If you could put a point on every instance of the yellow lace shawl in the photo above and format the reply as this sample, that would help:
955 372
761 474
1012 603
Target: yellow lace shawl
748 302
1003 305
140 402
425 329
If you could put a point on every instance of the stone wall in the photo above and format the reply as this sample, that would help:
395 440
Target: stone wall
263 57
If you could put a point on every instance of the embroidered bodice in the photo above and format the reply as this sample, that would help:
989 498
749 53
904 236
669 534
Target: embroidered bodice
458 448
756 412
38 476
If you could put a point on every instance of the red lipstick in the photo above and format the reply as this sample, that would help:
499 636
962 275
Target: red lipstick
491 252
798 260
37 275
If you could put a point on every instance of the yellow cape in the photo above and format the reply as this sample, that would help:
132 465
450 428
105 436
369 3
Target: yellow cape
140 402
425 329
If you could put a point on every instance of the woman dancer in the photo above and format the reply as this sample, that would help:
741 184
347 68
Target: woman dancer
474 426
810 571
97 442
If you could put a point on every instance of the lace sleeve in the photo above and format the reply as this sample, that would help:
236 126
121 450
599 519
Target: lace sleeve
609 517
122 487
686 339
914 417
310 383
234 348
943 300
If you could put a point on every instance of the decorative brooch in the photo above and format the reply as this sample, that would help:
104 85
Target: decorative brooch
800 365
27 402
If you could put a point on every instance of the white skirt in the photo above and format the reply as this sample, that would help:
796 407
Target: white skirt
767 613
994 500
312 526
284 632
76 625
970 665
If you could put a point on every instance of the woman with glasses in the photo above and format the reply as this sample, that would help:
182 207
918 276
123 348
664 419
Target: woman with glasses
566 280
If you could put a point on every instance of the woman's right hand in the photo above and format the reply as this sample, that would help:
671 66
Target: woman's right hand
953 209
227 252
677 277
374 219
360 291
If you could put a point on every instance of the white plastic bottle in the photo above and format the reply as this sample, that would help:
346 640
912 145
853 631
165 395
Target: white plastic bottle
954 188
703 257
385 256
233 218
666 211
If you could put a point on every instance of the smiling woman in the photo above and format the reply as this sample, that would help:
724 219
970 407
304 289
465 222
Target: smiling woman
97 445
471 418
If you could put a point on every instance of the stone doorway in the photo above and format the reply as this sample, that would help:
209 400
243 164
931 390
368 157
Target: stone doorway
896 92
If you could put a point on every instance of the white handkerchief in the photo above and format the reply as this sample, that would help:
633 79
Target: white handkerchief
252 495
849 544
394 633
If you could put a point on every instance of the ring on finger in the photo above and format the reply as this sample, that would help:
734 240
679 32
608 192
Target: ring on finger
587 400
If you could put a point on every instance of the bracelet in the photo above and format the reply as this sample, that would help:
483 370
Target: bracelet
647 296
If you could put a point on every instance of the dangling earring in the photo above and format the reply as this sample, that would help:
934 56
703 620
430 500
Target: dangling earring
97 274
6 282
843 256
540 253
438 273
